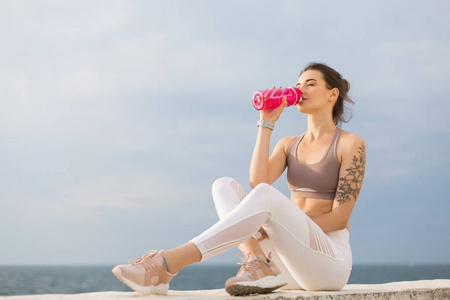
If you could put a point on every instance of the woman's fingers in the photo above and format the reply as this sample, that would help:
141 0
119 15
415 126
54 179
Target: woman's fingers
284 101
262 235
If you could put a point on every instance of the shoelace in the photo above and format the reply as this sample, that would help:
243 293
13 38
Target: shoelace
147 261
252 264
247 265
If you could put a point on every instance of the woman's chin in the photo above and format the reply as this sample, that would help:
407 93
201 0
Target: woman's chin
301 109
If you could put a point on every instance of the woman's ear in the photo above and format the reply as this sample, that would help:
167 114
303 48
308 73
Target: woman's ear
334 94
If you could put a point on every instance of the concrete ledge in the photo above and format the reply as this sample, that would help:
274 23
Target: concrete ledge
423 289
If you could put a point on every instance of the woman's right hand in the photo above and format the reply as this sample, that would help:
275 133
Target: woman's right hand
262 168
272 115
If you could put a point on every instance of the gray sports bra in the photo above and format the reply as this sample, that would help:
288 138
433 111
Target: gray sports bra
318 180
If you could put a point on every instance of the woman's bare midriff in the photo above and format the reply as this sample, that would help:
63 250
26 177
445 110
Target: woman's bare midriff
315 207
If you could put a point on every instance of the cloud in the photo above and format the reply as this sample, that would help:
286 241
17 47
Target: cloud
20 86
122 194
84 82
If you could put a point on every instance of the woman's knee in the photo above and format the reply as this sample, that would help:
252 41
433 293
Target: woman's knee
221 182
261 193
264 193
224 186
265 189
262 186
227 194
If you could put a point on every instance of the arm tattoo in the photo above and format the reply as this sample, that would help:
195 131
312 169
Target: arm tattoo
350 185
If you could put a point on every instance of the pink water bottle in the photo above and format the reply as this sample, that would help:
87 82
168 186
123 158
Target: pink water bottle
270 99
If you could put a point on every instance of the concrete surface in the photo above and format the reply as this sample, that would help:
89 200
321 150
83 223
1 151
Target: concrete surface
424 289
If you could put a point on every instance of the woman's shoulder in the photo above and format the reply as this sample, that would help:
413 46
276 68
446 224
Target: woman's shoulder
350 136
349 141
287 141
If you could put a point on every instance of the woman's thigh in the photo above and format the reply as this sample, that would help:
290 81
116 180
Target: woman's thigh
315 261
302 249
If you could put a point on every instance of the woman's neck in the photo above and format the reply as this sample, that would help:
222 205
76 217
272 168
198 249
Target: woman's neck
319 125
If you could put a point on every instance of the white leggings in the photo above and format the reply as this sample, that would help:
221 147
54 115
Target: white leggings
307 257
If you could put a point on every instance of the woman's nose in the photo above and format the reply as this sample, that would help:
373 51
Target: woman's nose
301 89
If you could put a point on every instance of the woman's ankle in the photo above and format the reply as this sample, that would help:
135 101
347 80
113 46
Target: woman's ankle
182 256
252 247
170 263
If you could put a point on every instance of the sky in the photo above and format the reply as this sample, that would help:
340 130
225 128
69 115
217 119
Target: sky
117 116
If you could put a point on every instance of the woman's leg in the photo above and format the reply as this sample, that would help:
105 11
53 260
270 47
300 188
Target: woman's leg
314 259
269 248
152 273
227 194
182 256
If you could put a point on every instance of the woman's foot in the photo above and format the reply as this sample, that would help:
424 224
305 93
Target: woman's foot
256 276
147 275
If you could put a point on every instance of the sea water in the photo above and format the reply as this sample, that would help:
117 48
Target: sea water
27 280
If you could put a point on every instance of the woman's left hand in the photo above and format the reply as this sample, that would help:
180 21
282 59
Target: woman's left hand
263 235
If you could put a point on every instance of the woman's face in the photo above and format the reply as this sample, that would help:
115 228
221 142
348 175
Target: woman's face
315 94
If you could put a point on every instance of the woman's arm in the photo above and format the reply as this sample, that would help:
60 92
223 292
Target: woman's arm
351 175
265 169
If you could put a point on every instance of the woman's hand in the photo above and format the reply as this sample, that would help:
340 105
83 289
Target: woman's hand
263 235
272 115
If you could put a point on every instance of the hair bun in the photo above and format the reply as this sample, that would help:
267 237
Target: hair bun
346 85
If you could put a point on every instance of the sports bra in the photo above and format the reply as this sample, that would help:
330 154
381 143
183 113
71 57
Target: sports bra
318 180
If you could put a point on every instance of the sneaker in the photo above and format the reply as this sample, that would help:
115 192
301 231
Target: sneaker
146 275
256 276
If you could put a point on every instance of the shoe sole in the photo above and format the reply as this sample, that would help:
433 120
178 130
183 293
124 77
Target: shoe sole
160 289
264 285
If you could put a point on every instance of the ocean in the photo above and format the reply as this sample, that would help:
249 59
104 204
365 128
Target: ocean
28 280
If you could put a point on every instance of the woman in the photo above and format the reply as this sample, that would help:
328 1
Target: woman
297 243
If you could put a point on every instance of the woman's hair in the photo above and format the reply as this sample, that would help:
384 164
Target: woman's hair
334 80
